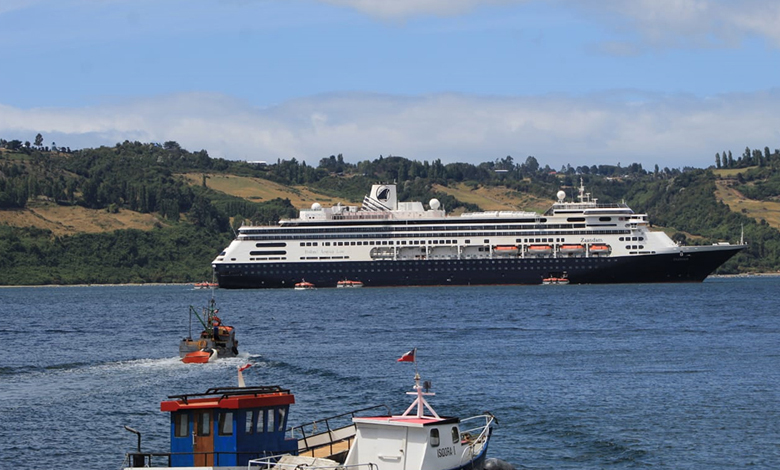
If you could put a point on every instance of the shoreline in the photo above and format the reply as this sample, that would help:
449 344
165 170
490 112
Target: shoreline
152 284
132 284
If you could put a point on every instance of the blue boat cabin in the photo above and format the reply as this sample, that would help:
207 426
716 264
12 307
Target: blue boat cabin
229 426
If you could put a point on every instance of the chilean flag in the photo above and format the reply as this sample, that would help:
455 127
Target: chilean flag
411 356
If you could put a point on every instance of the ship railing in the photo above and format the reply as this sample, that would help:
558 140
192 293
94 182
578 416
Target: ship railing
329 432
477 430
287 462
165 459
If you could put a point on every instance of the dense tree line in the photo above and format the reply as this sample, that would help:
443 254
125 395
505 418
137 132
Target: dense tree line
147 178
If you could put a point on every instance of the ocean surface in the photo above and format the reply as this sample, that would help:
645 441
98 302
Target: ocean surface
678 376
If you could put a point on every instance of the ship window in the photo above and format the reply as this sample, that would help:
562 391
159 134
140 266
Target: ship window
181 425
303 244
605 219
249 427
260 422
434 438
204 424
226 423
280 421
455 434
271 414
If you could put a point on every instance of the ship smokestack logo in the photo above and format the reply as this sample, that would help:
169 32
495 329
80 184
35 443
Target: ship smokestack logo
383 194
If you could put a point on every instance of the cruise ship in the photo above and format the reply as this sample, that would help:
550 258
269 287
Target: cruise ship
390 243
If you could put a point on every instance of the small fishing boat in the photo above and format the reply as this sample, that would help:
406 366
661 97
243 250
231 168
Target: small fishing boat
245 427
215 340
347 284
556 279
303 285
206 285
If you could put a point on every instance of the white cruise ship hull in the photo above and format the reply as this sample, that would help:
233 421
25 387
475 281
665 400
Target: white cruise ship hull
389 243
693 264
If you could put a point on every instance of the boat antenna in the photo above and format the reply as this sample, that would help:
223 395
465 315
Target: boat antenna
190 334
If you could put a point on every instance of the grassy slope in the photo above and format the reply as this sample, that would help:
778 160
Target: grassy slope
495 199
259 190
69 220
737 202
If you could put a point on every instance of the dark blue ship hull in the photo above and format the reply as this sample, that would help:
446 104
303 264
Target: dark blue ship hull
688 266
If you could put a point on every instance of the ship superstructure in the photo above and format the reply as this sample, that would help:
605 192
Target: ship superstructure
390 243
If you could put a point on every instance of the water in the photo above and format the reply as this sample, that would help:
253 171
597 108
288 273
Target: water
662 376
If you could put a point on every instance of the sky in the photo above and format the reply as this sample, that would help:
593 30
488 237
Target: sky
577 82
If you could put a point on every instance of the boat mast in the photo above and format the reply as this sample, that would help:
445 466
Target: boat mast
420 402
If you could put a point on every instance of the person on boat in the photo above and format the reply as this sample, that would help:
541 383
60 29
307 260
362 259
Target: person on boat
216 322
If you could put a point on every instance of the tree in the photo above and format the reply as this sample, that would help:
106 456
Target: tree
39 140
717 160
531 164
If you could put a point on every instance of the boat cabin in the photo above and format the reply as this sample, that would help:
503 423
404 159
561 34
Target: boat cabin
226 427
414 441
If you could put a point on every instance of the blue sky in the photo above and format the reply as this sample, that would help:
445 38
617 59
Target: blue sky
668 82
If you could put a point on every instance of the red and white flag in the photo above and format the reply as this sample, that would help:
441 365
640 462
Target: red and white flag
411 356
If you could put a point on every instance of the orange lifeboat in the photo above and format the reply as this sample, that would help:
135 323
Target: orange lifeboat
600 249
201 356
572 249
506 250
349 284
303 285
206 285
539 249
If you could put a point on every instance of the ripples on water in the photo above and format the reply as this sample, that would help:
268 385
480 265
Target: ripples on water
662 376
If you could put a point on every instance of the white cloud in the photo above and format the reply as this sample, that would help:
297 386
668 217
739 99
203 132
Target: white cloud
395 9
661 23
608 128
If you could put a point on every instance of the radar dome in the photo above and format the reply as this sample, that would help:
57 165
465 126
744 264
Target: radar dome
316 206
561 195
435 204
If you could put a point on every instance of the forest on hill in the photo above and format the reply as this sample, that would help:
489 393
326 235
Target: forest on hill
194 222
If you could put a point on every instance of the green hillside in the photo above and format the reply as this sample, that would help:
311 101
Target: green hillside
141 212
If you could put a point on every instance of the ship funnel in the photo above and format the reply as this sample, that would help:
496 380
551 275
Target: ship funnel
383 197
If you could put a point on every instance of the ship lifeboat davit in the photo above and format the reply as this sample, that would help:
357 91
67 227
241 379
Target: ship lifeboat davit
201 356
